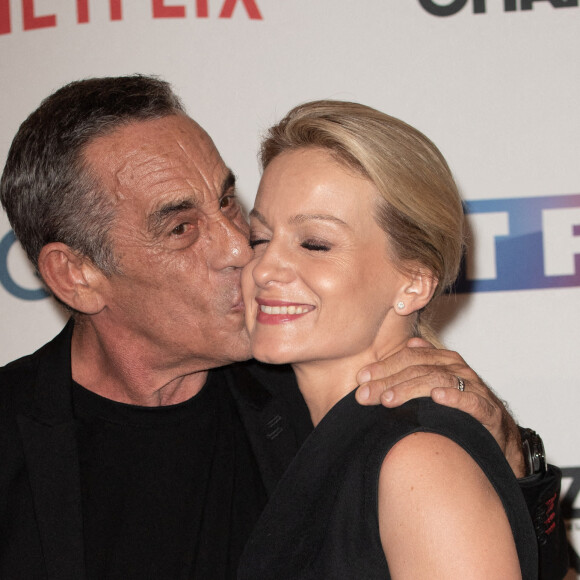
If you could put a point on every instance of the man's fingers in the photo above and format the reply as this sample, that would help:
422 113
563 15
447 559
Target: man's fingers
381 392
408 357
419 370
418 378
411 382
469 402
419 343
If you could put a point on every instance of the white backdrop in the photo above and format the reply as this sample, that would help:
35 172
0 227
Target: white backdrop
494 83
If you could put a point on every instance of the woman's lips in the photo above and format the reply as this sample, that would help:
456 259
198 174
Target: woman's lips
278 312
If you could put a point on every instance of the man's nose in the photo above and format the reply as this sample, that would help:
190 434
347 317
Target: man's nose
230 244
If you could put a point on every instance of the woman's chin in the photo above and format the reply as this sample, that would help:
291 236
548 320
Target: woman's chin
270 355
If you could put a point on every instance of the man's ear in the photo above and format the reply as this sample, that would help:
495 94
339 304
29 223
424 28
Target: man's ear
416 292
73 279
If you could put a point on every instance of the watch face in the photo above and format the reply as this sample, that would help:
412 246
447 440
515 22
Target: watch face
538 455
533 450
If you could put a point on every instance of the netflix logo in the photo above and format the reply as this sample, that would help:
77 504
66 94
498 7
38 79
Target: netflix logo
34 19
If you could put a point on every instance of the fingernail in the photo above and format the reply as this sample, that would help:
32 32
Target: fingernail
364 377
388 396
364 393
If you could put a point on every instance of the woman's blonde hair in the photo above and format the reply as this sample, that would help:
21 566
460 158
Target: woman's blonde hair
419 207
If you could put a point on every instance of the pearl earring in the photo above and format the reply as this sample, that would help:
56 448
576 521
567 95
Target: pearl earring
400 305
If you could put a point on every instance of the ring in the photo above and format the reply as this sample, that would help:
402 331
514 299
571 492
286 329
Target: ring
460 384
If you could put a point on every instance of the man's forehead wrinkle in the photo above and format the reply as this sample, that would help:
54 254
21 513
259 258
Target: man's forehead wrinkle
127 172
160 173
200 151
170 165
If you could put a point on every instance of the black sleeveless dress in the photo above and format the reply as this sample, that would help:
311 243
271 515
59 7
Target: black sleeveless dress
322 520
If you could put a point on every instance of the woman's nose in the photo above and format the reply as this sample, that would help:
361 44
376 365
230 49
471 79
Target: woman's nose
272 266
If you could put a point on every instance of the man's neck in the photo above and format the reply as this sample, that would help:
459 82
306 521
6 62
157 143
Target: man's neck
125 371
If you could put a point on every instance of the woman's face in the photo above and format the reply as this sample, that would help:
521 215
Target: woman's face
321 284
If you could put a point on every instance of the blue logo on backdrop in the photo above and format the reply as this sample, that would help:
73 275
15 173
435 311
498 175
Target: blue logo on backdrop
519 244
8 281
523 243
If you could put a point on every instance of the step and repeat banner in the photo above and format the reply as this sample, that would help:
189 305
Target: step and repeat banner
494 83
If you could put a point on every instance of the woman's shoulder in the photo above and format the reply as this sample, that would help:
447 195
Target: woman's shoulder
432 491
423 415
441 471
426 431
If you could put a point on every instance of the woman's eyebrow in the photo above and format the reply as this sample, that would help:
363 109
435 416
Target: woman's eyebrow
301 218
305 217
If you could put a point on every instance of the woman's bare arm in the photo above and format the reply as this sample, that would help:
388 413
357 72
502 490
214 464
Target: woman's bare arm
439 515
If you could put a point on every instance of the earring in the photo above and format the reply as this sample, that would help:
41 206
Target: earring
400 305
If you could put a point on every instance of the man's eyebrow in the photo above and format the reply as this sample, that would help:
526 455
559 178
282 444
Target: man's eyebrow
228 183
159 217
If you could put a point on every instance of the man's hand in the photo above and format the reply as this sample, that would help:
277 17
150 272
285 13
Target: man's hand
421 370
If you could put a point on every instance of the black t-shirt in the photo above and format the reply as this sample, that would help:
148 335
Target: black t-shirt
167 492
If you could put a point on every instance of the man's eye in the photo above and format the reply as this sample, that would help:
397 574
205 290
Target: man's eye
315 246
254 243
227 202
180 229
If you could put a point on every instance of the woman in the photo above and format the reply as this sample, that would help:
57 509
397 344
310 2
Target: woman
357 226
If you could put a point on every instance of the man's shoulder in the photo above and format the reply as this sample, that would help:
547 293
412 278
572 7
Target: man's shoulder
19 370
19 378
17 381
27 363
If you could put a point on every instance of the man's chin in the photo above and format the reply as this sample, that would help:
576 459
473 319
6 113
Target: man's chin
239 349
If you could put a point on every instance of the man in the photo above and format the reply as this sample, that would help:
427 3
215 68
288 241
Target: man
123 455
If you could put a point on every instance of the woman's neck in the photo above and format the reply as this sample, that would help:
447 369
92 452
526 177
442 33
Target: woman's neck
325 382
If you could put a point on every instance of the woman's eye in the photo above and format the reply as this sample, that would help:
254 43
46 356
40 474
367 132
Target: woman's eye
314 246
254 243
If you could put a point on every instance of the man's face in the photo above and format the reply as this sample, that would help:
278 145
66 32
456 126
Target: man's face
180 239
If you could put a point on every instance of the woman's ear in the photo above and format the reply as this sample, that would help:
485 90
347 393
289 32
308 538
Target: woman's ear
417 292
73 279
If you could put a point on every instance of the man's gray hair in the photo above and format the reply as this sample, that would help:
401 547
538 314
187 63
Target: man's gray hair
46 189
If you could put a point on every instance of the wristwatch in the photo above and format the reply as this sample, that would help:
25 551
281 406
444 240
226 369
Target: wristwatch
533 450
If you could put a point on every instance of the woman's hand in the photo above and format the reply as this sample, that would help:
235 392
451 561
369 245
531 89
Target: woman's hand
421 370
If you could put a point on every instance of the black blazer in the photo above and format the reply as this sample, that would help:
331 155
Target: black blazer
41 533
